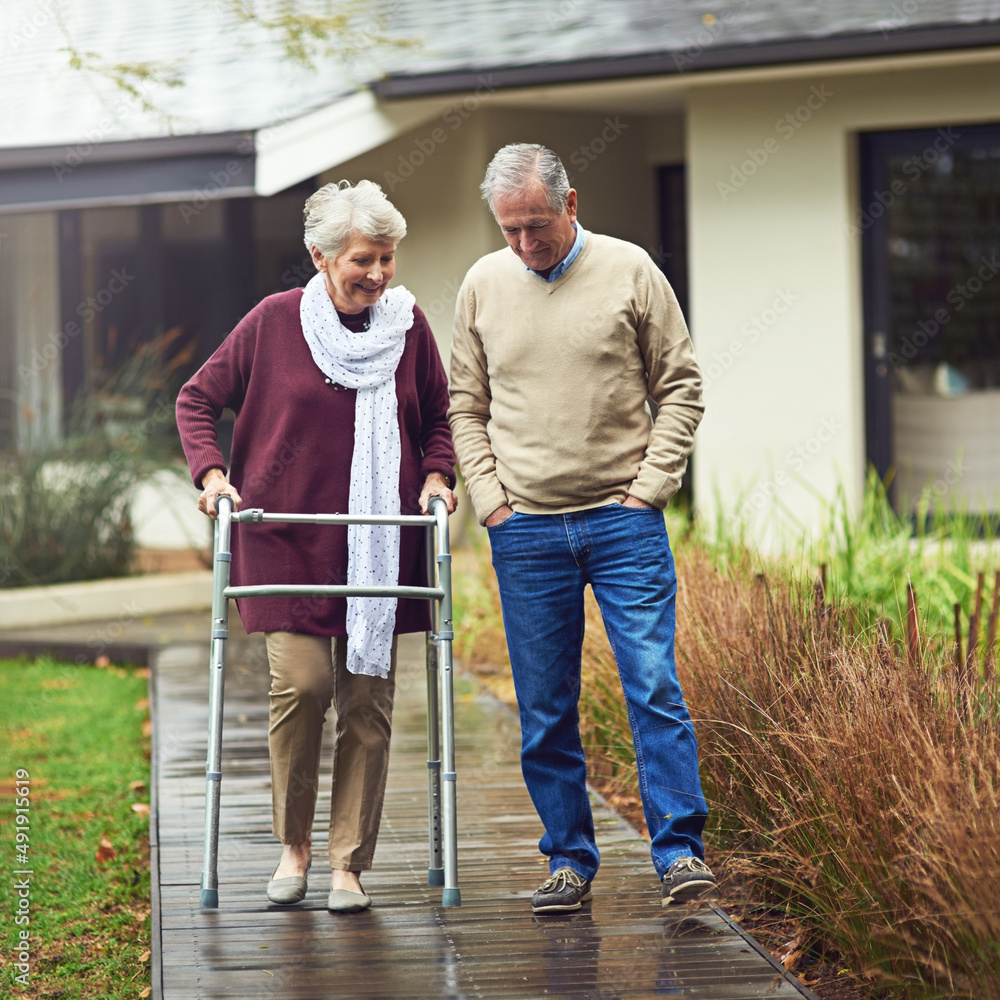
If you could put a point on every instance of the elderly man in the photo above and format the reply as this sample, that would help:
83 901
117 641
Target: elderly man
557 347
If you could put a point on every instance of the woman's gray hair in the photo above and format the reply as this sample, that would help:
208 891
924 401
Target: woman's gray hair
336 212
513 169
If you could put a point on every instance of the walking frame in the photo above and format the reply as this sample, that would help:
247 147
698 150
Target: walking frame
441 780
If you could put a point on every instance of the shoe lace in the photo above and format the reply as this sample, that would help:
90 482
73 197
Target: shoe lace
558 880
691 865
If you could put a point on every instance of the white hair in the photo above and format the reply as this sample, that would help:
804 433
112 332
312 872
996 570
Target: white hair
516 166
336 212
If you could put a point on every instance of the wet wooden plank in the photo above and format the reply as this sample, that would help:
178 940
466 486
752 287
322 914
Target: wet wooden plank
622 945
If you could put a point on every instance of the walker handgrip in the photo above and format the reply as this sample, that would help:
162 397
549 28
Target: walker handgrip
227 498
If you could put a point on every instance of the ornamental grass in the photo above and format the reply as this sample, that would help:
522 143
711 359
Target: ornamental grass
860 782
850 747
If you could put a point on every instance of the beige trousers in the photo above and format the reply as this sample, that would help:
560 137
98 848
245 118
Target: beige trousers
308 674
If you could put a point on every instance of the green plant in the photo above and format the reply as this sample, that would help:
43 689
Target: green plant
64 508
874 553
64 515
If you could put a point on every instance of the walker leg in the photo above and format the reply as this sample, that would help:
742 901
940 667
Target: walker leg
216 696
435 869
451 895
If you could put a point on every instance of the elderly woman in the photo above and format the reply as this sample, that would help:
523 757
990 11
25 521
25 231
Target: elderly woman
340 400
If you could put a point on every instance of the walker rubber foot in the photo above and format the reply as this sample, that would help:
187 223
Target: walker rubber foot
435 876
210 899
451 897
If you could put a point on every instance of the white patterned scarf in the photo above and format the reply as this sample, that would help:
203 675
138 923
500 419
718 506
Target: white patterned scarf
366 361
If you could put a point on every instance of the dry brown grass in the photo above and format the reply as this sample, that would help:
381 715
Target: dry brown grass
860 789
862 786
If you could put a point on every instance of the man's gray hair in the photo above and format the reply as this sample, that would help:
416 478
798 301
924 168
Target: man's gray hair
337 212
516 166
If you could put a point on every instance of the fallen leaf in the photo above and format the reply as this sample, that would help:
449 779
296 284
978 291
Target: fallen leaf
142 704
141 808
146 990
141 672
144 957
136 785
102 662
147 727
106 852
790 953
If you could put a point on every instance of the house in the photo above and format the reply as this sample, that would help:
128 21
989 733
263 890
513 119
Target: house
821 185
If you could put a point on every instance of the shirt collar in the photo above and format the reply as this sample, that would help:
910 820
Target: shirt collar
563 266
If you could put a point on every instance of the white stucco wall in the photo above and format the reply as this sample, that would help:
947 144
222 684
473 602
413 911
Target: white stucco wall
776 276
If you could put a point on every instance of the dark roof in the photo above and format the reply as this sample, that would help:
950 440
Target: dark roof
530 42
240 79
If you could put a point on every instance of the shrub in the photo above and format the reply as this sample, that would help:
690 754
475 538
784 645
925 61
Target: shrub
64 508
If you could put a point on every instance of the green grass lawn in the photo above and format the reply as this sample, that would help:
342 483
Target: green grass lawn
76 740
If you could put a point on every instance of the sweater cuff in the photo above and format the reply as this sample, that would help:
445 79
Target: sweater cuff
448 471
486 498
656 490
202 463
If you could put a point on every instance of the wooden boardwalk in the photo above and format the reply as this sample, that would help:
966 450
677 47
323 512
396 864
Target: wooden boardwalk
622 945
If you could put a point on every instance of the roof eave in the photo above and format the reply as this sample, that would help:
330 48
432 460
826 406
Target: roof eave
97 150
694 59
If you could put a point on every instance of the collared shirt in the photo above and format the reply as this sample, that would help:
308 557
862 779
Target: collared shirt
563 266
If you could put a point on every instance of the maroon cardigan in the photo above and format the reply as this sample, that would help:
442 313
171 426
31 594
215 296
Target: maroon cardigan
292 446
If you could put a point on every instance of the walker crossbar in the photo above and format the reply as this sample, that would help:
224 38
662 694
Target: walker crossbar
300 589
442 813
254 515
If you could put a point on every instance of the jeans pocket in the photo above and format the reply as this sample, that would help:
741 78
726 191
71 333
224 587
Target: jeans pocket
503 524
637 510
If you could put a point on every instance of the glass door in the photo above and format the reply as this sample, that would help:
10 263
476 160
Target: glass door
929 222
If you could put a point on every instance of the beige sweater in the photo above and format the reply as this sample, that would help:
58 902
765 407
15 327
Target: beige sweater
549 383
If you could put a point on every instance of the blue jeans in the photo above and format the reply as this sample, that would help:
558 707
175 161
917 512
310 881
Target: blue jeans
543 562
